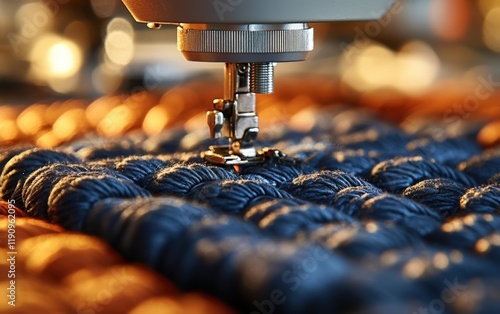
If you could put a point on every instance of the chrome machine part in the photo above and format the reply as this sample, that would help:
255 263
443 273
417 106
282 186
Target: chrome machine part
262 78
234 117
255 11
250 52
249 37
245 42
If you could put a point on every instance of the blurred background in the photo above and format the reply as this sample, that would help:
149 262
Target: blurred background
94 47
55 50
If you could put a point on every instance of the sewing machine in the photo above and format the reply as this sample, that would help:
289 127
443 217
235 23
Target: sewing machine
250 37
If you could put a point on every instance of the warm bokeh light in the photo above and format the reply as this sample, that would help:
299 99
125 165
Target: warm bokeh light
47 140
411 70
490 134
31 120
119 43
117 121
415 268
33 18
9 130
10 112
304 120
389 258
491 27
487 5
296 106
98 109
156 120
440 261
55 57
453 226
62 59
70 124
170 106
418 66
371 227
482 246
494 239
194 123
58 108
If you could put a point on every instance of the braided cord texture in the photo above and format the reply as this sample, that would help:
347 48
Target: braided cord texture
374 220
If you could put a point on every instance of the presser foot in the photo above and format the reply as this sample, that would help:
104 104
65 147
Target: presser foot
223 155
234 117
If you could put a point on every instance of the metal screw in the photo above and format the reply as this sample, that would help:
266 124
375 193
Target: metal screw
262 78
152 25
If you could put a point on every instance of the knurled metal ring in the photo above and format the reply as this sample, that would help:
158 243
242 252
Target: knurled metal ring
245 44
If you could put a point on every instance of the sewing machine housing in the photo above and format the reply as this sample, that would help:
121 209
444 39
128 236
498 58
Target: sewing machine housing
250 37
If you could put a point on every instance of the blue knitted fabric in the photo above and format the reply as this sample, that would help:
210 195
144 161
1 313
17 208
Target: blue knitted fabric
373 220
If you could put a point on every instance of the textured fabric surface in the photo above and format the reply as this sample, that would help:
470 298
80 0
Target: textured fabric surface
373 220
61 272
